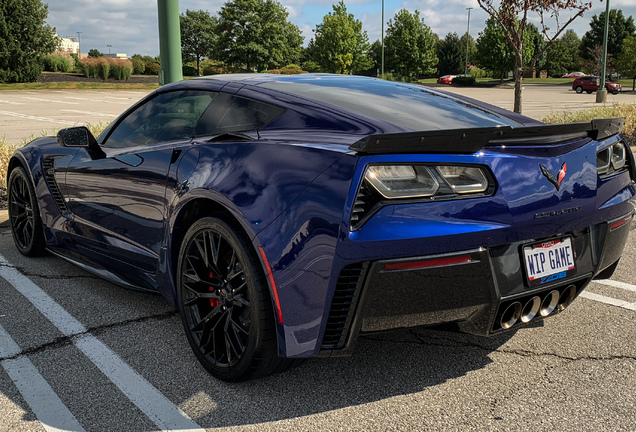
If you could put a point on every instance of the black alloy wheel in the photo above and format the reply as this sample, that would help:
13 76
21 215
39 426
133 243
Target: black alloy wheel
224 303
24 214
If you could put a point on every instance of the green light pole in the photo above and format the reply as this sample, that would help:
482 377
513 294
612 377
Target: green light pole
467 34
169 42
601 93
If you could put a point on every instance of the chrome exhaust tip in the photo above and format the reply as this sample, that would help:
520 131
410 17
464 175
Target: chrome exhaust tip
549 303
510 316
530 309
567 297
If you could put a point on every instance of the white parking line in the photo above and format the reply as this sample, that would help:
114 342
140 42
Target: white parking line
144 395
97 100
616 284
43 401
90 113
44 119
11 102
608 300
52 100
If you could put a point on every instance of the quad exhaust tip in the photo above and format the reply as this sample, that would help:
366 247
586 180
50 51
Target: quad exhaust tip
541 305
549 303
567 297
511 315
530 309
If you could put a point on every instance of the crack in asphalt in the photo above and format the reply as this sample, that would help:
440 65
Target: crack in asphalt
520 352
27 273
63 341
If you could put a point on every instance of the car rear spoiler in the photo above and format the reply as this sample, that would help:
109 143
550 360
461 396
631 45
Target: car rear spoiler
468 141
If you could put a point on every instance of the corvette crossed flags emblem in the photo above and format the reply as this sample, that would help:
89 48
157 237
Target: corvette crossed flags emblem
555 180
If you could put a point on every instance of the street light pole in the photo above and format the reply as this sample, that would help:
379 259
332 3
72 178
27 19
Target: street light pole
382 70
109 47
79 44
467 35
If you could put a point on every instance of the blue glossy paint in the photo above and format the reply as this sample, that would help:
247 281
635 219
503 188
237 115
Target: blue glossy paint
291 187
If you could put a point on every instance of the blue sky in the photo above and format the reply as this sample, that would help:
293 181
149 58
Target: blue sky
130 26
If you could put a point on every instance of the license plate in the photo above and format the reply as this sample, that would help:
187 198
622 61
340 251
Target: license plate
549 261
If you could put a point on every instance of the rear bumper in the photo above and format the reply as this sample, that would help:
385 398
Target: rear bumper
477 291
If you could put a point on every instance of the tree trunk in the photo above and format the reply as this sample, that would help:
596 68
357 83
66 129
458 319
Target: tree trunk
518 77
198 67
633 83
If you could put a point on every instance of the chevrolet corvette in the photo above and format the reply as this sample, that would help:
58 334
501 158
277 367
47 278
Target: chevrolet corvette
285 216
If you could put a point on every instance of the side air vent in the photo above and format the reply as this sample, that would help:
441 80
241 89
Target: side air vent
49 174
343 306
366 199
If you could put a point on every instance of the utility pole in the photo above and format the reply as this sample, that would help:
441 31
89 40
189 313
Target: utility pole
382 70
169 42
601 93
79 44
467 35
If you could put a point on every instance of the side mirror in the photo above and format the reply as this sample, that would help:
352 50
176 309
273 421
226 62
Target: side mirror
80 136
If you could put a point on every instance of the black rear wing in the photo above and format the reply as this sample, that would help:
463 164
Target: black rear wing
468 141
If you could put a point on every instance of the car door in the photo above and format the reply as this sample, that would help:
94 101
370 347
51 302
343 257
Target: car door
118 201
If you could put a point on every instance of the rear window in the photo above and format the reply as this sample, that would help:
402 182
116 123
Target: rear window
405 105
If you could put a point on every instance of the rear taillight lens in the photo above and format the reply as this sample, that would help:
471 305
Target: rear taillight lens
612 159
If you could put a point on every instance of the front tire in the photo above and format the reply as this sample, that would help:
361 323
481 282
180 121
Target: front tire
24 214
225 305
579 89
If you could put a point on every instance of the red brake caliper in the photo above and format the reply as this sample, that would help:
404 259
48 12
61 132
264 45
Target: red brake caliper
213 302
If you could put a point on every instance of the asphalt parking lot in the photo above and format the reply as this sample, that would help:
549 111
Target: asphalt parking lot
77 353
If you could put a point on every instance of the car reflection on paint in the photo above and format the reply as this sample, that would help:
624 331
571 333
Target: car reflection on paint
284 216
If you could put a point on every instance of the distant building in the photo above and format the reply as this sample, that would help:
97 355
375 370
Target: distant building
69 45
116 55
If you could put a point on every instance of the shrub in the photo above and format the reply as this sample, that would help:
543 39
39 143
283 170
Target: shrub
152 68
286 71
120 69
139 66
292 66
626 111
88 67
103 67
189 71
465 80
58 62
215 69
311 66
476 72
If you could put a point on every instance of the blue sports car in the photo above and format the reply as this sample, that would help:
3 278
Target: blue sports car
284 216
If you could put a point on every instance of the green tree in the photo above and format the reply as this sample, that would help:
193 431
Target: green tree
512 17
626 60
561 58
340 45
619 29
410 45
256 34
449 52
472 49
24 39
95 53
537 43
198 35
494 52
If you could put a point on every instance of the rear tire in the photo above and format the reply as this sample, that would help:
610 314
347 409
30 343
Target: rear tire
24 214
225 304
588 91
579 89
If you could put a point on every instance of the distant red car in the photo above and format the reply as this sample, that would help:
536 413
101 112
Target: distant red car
446 79
591 83
573 75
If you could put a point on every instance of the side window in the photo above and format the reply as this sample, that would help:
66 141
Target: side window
230 113
166 117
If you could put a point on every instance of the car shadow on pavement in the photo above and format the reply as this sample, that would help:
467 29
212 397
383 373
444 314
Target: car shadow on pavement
383 366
